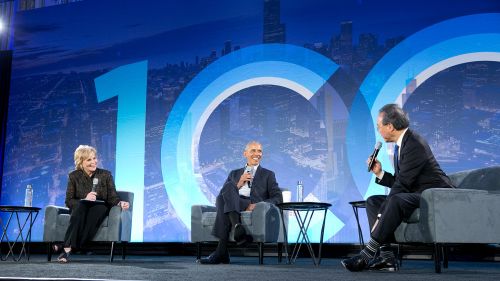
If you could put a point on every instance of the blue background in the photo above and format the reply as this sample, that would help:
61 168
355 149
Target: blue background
439 59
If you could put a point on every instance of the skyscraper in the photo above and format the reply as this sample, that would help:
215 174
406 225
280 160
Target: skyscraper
346 35
367 46
346 42
411 86
274 30
227 48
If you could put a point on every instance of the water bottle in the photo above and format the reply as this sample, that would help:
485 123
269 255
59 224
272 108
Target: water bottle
28 197
300 191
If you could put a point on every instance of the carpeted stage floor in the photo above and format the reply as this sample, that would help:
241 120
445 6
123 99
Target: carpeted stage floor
96 267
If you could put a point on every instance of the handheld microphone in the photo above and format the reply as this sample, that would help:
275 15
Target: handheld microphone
378 145
95 181
248 170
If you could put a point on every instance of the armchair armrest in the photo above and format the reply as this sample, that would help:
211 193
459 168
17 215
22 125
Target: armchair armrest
197 212
460 216
197 232
261 210
266 221
119 224
126 225
127 196
50 222
52 210
114 221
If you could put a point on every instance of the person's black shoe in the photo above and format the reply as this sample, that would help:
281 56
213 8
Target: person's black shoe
384 264
239 232
247 239
214 258
64 257
356 263
57 248
240 235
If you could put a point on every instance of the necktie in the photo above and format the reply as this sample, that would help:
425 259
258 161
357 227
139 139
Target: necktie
251 181
396 160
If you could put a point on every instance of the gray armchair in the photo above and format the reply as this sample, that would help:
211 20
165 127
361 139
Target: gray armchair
116 227
467 214
263 223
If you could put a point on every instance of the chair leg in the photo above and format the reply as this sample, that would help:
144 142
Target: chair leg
280 252
261 253
111 254
124 249
400 255
437 257
445 256
49 251
198 250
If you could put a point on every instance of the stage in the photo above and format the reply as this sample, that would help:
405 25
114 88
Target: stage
96 267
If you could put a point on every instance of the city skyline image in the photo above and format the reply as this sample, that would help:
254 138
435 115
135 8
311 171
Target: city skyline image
322 70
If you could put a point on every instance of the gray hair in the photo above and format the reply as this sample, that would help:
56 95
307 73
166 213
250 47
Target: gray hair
247 147
393 114
83 152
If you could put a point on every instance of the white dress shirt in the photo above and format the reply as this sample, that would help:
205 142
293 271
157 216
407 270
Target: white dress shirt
245 189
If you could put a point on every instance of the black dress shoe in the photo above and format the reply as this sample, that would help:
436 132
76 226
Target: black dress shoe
214 258
384 264
239 231
240 235
356 263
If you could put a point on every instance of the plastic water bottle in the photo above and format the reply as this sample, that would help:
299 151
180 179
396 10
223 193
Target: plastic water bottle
300 191
28 197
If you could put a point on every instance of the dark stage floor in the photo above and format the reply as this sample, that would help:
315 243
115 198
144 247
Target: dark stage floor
96 267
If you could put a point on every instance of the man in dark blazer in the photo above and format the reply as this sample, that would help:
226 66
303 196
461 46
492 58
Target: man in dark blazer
243 188
416 170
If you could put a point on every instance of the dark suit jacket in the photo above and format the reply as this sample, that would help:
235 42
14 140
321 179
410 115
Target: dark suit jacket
264 186
80 184
418 169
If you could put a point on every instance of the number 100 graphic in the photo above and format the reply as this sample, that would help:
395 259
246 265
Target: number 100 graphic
425 53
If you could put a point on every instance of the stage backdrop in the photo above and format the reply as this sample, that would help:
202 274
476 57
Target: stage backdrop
169 92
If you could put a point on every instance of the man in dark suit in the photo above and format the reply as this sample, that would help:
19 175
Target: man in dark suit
416 170
243 188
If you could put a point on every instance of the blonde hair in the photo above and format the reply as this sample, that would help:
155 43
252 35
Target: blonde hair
82 153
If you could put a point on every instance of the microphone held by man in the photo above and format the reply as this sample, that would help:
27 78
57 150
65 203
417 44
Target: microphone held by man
248 171
373 157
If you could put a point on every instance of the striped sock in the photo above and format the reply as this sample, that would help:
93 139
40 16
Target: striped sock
386 252
369 251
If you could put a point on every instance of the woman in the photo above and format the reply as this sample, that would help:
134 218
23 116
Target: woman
87 215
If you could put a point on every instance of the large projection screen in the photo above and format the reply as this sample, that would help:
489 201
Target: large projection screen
169 92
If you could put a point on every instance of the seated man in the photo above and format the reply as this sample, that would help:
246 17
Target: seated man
243 188
416 170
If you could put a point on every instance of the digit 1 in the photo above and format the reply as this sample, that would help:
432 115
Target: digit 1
129 84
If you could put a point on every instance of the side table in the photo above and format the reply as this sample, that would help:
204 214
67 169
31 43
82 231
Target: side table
24 234
355 206
303 212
